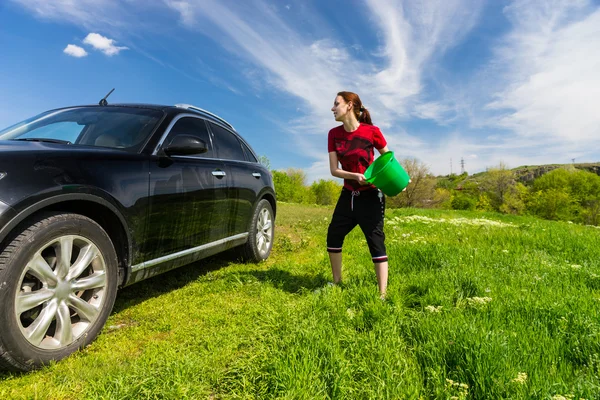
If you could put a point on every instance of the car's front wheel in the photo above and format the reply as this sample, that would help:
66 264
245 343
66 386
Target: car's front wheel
58 283
262 229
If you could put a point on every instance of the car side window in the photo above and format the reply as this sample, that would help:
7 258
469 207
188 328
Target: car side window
193 127
249 156
228 144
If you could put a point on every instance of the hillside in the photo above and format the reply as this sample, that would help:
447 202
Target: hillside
528 173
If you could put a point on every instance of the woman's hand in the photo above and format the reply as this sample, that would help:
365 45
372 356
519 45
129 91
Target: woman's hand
361 179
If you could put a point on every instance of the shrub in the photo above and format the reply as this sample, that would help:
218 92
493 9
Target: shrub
326 192
463 202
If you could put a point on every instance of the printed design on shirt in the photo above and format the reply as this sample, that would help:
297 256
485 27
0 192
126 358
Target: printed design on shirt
358 147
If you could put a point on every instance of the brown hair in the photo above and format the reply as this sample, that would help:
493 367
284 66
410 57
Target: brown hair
362 114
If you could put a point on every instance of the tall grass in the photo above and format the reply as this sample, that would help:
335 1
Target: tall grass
480 306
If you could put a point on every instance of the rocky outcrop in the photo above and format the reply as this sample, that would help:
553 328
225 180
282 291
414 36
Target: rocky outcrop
529 174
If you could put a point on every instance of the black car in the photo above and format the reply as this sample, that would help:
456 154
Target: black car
95 198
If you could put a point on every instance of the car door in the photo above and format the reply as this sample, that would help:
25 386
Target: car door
187 204
243 180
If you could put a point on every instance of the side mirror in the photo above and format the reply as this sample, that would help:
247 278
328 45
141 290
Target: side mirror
185 145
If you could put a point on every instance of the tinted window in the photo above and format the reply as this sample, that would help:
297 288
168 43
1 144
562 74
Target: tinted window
249 154
194 127
61 130
228 144
118 127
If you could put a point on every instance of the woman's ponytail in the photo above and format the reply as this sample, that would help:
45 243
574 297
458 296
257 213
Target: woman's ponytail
365 117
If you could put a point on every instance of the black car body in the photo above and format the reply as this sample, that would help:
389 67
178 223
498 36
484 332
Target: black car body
166 185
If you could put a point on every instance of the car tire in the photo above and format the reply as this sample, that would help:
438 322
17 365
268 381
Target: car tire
261 232
58 283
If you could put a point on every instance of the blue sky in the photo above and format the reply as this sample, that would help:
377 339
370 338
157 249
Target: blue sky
492 81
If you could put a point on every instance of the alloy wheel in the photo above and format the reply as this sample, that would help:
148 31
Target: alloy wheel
264 236
61 292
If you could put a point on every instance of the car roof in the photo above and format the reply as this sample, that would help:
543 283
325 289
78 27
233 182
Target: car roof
174 108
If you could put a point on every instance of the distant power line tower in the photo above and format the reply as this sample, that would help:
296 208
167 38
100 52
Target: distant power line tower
573 160
451 166
462 165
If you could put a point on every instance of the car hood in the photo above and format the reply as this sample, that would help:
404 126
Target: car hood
32 167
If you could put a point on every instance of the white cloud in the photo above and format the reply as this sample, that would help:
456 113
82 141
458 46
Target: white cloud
75 51
415 34
88 13
552 67
533 102
314 70
185 10
103 44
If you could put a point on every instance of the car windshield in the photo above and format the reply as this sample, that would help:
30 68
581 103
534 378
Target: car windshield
124 128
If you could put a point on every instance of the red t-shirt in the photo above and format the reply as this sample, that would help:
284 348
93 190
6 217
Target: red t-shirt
355 150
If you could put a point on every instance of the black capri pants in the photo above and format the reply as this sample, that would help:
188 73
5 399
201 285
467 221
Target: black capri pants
365 209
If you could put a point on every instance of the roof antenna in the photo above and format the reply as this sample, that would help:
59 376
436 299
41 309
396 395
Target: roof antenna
103 102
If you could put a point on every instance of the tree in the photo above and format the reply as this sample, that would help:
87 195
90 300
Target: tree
442 198
264 160
326 192
552 203
463 202
497 182
290 187
514 200
581 188
421 191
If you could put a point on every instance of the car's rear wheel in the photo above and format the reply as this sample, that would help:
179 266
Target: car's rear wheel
58 283
262 229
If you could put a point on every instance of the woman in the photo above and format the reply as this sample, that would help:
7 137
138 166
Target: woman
351 145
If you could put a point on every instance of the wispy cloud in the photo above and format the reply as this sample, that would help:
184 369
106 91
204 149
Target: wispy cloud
534 101
91 14
314 70
415 35
75 51
104 44
552 66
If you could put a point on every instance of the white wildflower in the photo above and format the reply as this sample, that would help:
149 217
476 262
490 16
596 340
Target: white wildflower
461 388
458 221
521 378
576 266
478 301
434 309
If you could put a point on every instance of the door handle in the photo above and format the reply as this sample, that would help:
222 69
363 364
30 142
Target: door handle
256 175
218 173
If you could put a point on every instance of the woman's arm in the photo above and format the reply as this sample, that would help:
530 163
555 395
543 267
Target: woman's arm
340 173
383 150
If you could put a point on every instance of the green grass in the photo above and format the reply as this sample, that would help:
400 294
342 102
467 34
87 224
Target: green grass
475 311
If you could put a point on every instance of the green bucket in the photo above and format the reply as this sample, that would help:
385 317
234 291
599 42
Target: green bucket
387 174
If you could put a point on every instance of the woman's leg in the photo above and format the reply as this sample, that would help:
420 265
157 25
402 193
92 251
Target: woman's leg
341 224
336 267
372 212
381 270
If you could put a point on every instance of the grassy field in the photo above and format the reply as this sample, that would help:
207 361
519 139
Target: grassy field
480 306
